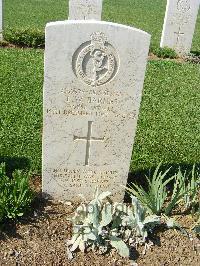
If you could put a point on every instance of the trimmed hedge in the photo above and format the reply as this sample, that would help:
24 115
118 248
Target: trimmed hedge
35 38
165 52
28 37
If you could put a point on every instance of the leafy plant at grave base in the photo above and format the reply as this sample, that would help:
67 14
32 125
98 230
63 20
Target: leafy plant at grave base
102 225
156 194
190 186
15 194
177 195
25 37
165 53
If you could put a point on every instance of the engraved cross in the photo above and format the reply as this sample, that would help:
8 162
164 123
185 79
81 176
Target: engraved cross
179 33
88 140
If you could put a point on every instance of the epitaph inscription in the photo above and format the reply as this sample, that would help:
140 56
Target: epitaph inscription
91 106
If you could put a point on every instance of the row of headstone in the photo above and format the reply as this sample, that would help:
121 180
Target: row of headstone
94 74
179 25
1 20
85 9
178 28
78 10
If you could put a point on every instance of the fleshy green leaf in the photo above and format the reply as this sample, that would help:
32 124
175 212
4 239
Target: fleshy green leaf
104 195
120 246
76 243
82 245
91 236
152 219
106 215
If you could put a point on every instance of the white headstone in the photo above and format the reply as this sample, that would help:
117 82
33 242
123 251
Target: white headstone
179 25
85 9
94 73
1 20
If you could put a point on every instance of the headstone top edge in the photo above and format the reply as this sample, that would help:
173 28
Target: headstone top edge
78 22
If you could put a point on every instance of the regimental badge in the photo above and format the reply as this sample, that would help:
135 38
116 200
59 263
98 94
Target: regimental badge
95 62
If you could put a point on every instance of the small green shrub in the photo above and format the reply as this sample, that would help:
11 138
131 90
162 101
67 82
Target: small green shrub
190 187
186 189
165 53
156 194
103 225
25 37
15 194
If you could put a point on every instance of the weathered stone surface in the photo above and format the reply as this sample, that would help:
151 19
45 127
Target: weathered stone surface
179 25
85 9
1 19
94 73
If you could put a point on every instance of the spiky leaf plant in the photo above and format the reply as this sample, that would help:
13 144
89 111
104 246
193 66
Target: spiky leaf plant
190 187
15 194
156 194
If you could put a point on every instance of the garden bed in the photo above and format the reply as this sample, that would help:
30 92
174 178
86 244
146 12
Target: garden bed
41 240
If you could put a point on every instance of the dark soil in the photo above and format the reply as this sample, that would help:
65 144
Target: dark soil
40 240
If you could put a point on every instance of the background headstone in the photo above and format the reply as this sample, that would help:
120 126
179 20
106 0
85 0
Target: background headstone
92 91
1 20
85 9
179 25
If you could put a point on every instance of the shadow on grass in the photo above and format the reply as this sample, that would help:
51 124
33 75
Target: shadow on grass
15 163
139 176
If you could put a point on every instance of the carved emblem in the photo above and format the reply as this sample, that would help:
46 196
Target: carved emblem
95 62
183 5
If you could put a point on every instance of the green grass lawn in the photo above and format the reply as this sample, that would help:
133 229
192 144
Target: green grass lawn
21 79
144 14
169 123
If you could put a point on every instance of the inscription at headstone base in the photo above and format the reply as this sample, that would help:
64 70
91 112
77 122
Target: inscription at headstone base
85 9
179 25
94 73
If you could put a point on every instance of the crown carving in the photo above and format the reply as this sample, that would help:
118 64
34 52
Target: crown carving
98 38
